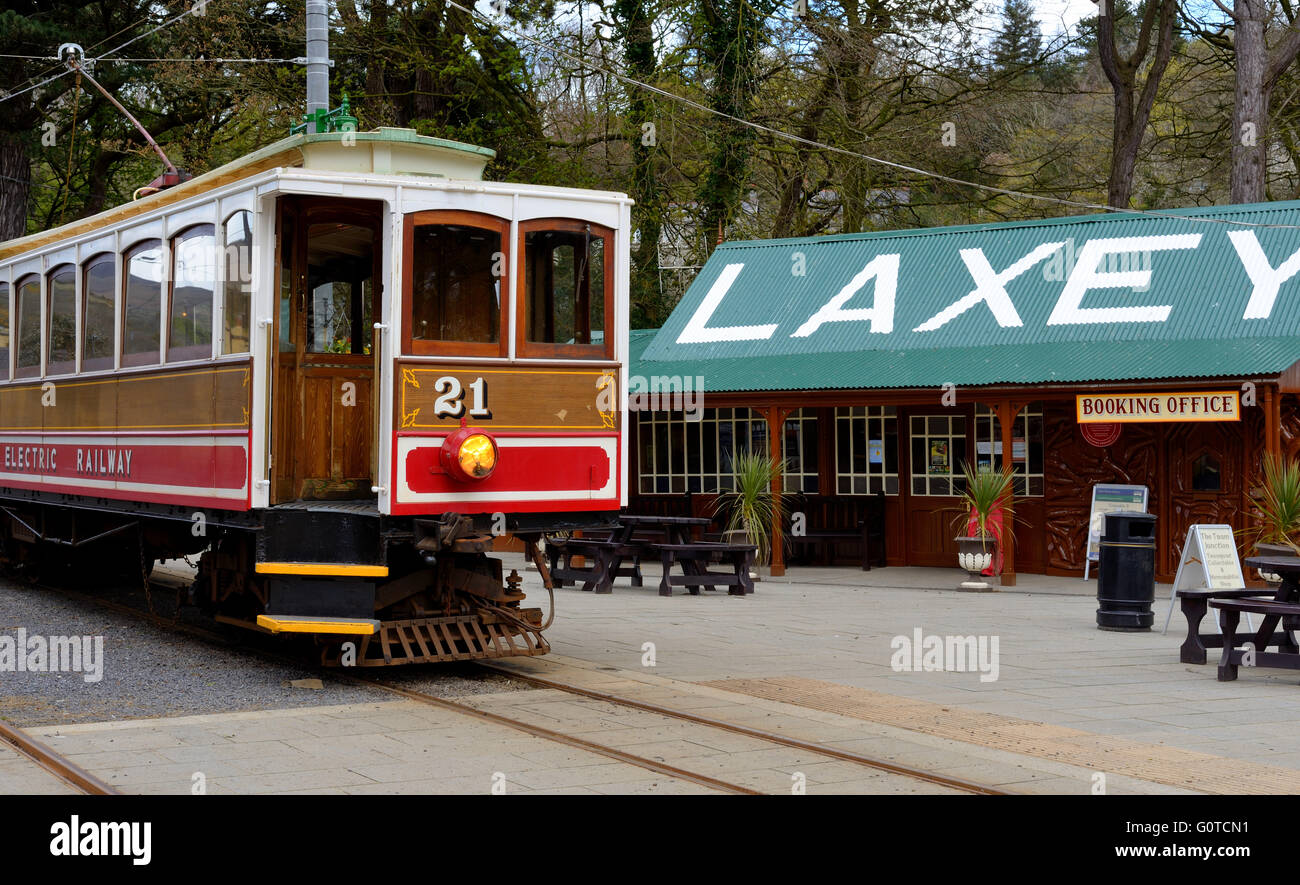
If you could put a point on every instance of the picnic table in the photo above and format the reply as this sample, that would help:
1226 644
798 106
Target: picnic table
667 538
1283 609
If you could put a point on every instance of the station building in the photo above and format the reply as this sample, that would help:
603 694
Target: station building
1160 350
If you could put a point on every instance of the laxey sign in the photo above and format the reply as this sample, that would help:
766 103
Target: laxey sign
1208 274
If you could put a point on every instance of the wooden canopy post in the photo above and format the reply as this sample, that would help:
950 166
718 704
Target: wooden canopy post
1007 412
1272 420
775 448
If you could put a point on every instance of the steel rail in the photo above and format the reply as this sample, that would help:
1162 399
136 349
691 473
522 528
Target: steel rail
559 737
770 736
68 772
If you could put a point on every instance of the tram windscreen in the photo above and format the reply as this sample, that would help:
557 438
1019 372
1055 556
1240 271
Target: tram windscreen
564 278
456 283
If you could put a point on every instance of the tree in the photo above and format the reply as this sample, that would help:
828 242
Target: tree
1133 95
633 20
1258 69
731 33
1019 40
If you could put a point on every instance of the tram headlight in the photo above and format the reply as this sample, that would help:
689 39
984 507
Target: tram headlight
469 454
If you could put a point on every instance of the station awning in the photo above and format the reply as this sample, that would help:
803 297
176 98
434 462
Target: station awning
1203 293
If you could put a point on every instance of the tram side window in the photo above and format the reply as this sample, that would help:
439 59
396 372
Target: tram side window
62 317
566 266
456 277
238 256
29 327
97 314
142 305
4 331
194 277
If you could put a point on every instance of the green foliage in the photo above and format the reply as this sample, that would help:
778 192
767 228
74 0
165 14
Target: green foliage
986 490
751 506
1277 504
1019 40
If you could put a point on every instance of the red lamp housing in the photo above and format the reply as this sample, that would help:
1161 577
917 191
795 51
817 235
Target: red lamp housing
469 455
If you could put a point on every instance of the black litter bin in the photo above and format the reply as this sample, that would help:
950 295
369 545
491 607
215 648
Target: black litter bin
1126 572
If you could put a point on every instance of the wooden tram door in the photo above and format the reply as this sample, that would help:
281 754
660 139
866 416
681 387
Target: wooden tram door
330 285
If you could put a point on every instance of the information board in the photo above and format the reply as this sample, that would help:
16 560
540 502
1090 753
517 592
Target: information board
1110 499
1209 562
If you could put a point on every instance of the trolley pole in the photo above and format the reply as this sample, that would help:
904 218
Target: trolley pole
318 57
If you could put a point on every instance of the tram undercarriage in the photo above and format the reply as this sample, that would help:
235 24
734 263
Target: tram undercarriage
369 590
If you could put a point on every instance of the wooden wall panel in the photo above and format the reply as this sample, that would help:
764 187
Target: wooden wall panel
1073 467
1158 456
194 398
535 399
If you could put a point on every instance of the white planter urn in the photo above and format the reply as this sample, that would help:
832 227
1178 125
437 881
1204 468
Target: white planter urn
973 556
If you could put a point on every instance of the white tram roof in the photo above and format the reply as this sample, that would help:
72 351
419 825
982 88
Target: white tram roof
382 152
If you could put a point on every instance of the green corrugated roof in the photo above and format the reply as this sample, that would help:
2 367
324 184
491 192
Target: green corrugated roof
1200 286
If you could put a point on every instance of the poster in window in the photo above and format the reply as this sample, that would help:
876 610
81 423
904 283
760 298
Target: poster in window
876 451
1018 448
938 457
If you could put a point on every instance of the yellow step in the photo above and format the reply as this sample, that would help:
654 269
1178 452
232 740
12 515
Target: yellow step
328 569
308 624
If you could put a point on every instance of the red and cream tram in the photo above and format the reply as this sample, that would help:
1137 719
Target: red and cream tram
335 368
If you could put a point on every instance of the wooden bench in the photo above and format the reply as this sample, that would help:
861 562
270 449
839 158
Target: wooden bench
599 574
1287 657
1194 604
829 521
695 558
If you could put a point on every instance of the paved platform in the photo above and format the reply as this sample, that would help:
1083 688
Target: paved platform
814 655
1055 666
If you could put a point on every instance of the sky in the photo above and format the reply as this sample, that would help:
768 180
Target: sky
1054 16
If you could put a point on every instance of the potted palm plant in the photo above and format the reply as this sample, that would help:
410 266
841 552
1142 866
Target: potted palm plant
1276 530
751 506
986 492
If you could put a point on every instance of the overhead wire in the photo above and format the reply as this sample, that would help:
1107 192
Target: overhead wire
189 10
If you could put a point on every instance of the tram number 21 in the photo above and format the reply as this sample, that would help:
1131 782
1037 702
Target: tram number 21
451 403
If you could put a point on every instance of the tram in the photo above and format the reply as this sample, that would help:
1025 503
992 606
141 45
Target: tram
337 370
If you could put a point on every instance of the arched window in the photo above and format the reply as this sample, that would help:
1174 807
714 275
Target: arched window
4 331
29 327
97 297
142 303
238 286
61 337
194 277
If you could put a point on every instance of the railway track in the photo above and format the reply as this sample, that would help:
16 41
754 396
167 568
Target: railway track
761 734
69 772
88 783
